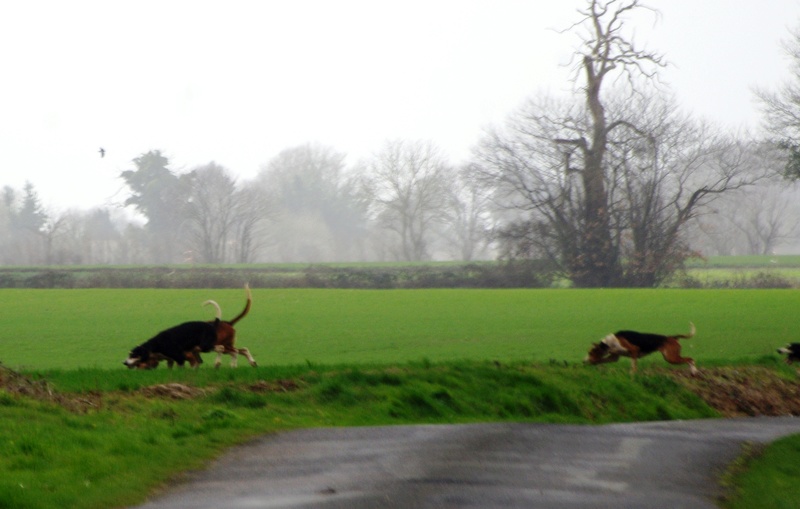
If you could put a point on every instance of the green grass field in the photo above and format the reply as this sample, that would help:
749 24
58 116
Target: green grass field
68 329
357 357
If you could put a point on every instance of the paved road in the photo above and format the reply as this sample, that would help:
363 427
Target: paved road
649 465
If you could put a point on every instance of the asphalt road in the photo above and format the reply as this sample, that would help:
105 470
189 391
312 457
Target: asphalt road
645 465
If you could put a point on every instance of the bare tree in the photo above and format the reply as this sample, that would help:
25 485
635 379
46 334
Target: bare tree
781 109
411 182
607 54
755 221
468 221
320 214
211 212
765 219
253 212
604 188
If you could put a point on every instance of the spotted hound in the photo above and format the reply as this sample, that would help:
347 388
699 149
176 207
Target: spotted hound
633 344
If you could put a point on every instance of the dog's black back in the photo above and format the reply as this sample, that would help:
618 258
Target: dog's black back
645 341
176 341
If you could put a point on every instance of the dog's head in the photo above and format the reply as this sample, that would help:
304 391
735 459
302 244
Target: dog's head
140 358
792 352
597 353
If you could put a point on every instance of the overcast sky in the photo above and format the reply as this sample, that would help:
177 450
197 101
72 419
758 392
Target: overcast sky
236 81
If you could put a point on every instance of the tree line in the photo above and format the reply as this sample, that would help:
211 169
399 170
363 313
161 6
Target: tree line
613 185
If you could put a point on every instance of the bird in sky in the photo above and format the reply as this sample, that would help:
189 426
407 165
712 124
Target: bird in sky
102 152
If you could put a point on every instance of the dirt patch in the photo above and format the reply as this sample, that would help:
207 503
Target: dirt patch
20 385
743 391
275 386
732 391
171 391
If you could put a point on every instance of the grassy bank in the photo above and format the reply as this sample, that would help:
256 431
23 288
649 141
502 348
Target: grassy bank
158 423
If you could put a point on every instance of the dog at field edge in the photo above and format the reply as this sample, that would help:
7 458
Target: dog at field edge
792 352
226 333
192 357
175 343
634 344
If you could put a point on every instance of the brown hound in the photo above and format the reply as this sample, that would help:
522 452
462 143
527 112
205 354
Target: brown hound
638 344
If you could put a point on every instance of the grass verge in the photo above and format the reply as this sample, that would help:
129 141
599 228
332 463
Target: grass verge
133 434
766 477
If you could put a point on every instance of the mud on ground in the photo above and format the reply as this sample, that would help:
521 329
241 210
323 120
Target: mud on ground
17 384
732 391
743 391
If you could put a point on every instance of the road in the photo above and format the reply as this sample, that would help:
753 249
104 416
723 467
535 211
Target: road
643 465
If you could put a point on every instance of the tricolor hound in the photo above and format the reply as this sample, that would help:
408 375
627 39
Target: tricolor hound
223 342
792 352
633 344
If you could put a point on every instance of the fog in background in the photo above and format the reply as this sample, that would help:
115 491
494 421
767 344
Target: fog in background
328 131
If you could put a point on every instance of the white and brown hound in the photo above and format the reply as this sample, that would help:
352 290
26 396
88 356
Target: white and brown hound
633 344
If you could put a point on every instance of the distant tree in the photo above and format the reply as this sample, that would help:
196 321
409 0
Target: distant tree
101 237
755 221
411 181
27 220
253 212
159 195
54 227
6 202
211 212
318 213
31 215
467 230
781 109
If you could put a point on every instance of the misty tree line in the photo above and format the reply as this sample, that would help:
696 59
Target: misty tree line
613 186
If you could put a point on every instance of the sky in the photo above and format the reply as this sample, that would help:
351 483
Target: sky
237 81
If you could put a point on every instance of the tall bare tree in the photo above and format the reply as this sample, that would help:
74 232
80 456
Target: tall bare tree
606 185
607 54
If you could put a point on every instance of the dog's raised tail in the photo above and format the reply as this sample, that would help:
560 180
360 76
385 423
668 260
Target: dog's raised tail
692 332
216 306
246 306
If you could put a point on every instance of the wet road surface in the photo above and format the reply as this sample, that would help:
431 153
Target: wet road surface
663 464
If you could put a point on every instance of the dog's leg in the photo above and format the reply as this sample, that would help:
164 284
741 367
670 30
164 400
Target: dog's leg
246 353
220 349
672 354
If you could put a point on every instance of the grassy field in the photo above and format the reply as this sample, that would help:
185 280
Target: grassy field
339 358
71 329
